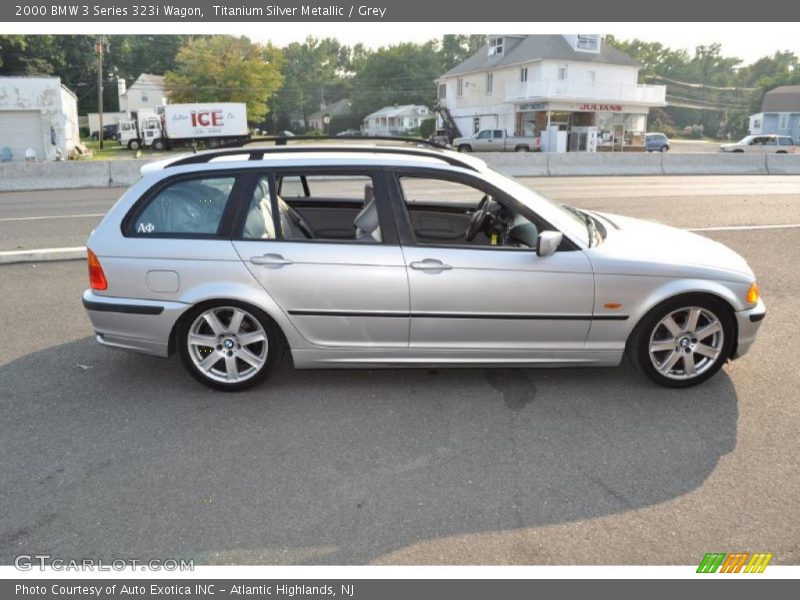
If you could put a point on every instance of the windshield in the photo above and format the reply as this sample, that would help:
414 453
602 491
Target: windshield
568 221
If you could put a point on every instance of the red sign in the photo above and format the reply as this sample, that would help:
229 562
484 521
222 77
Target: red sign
206 118
601 107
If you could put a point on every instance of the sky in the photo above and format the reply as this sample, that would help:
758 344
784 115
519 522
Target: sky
748 41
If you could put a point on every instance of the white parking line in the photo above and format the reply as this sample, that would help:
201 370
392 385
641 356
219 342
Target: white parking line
745 227
84 216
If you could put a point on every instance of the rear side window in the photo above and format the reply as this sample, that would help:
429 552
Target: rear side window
185 207
785 141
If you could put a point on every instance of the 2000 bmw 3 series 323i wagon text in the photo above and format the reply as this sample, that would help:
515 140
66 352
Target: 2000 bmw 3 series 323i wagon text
388 256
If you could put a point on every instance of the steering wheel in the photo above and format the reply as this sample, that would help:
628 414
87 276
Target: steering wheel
478 219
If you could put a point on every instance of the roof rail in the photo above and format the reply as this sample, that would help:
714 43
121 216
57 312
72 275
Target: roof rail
259 153
282 140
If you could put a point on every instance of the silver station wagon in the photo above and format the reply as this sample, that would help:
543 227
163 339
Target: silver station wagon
389 256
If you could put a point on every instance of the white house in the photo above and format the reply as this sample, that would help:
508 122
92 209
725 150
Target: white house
395 120
529 84
40 114
780 113
147 92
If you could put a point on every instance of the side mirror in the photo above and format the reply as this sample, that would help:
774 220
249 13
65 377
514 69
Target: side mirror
548 242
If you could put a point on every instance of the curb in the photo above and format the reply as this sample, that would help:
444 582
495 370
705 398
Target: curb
43 255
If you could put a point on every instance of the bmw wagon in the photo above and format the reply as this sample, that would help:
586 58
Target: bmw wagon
372 256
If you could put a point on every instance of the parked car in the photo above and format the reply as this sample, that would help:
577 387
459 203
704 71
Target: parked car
110 132
373 256
656 142
780 144
496 140
349 133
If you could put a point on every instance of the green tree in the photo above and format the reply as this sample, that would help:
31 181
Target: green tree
226 69
313 71
457 48
400 74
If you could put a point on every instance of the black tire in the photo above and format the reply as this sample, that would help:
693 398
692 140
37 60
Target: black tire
134 145
738 151
638 347
465 148
159 145
521 149
275 346
664 148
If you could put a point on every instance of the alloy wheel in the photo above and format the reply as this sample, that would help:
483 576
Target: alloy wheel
686 343
227 344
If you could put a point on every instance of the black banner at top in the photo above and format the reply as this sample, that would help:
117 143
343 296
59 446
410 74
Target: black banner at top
198 11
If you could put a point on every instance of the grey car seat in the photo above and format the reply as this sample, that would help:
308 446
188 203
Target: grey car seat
366 222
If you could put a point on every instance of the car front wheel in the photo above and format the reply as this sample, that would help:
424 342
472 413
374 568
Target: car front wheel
683 341
230 346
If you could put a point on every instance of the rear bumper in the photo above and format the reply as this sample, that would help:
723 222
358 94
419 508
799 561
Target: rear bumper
131 323
748 322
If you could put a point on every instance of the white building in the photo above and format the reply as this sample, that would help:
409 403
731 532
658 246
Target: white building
147 92
528 84
395 120
37 113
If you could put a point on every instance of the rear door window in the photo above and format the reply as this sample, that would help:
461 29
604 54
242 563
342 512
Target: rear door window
785 141
184 207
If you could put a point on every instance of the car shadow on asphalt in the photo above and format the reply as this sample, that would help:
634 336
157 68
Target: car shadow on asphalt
109 453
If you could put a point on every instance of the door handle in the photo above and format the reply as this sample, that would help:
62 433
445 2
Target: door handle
430 264
270 260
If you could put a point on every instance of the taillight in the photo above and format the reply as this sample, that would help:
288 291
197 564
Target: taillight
97 279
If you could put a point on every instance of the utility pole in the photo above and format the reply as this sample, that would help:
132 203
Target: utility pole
100 46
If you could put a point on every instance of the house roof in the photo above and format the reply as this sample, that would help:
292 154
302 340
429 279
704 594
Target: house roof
782 99
540 47
398 111
148 81
338 108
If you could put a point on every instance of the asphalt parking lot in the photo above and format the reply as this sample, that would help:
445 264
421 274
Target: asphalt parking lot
108 454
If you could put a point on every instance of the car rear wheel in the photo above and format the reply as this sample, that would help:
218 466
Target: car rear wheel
465 148
521 149
664 148
229 346
683 341
134 145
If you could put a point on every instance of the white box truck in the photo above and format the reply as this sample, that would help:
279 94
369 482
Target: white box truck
173 125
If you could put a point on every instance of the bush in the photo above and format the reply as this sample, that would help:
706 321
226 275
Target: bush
427 127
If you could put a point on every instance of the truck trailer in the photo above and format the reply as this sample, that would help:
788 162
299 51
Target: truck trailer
213 124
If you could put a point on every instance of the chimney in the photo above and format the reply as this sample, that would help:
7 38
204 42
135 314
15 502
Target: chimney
121 89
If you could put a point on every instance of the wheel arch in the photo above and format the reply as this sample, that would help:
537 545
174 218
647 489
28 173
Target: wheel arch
290 335
715 292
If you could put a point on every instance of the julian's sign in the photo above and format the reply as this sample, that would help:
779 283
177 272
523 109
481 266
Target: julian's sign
601 107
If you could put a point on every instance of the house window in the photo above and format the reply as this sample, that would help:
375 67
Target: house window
756 123
476 124
562 72
489 83
442 91
592 78
523 75
784 122
590 43
144 96
495 46
459 87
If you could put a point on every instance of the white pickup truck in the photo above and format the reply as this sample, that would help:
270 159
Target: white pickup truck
496 140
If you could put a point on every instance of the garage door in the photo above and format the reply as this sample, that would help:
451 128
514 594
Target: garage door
20 130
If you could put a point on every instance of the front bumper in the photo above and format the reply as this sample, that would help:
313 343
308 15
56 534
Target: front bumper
131 323
748 322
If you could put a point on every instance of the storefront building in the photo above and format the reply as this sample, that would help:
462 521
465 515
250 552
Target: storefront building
572 91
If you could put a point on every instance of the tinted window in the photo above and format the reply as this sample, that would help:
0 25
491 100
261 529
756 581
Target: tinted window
189 206
498 134
785 142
